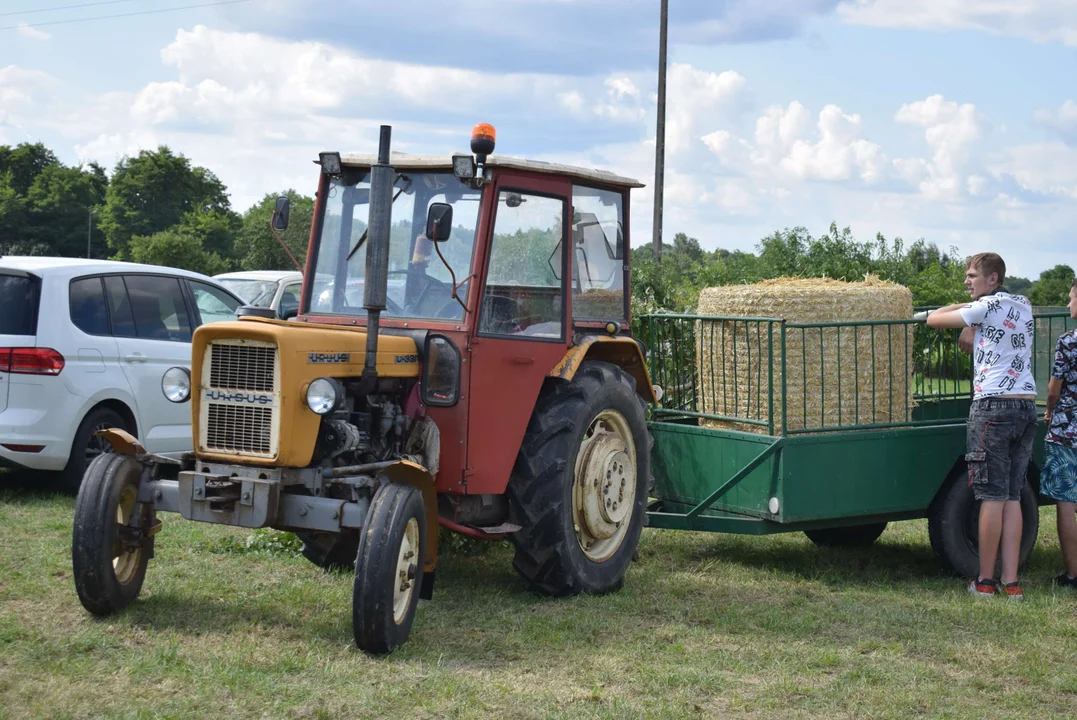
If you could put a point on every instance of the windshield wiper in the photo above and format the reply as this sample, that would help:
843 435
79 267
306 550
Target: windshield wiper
362 238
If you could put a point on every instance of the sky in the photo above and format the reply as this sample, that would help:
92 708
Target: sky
954 121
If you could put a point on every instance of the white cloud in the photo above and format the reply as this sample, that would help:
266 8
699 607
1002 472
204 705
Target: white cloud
951 132
256 110
1044 168
32 33
696 99
1038 20
22 95
1063 120
840 153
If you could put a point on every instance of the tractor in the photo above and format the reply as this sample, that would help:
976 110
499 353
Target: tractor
461 357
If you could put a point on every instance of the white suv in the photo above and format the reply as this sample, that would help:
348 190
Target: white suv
84 345
275 289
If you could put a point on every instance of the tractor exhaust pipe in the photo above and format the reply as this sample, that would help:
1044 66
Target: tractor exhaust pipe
382 178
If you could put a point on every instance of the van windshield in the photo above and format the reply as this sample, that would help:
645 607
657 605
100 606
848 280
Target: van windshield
18 298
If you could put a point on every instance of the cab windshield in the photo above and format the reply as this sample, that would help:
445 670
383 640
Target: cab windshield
420 284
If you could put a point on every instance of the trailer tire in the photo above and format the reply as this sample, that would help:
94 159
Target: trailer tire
392 542
953 519
851 536
330 551
578 428
107 582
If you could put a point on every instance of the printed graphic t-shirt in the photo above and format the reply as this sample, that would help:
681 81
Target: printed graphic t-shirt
1002 348
1063 430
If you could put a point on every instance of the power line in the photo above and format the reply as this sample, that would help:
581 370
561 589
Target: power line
65 7
122 15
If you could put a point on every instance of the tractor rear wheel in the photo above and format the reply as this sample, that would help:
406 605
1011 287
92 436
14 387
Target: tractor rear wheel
389 569
580 485
852 536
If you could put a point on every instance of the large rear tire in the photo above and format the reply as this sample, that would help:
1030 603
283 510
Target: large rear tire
580 485
109 556
953 527
389 569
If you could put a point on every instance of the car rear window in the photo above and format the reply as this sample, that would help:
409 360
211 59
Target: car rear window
18 299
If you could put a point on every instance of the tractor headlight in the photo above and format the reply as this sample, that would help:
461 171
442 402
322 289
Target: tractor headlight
324 395
176 384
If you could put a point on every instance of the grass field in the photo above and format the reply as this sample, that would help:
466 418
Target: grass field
706 626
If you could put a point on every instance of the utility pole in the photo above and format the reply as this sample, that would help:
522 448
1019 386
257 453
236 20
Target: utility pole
660 137
89 229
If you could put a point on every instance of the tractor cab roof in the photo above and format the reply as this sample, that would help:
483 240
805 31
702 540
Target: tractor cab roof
444 162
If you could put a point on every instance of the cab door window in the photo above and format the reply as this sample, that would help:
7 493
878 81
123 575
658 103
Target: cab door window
598 260
523 296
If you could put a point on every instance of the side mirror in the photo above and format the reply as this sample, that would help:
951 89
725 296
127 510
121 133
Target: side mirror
439 222
289 312
280 213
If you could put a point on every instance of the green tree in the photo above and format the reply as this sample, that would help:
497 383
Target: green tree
1052 287
257 249
59 202
13 215
178 249
25 162
153 192
1018 285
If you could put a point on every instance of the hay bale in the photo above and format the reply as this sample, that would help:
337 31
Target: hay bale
833 374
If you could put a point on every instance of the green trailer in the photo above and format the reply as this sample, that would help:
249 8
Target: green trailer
737 450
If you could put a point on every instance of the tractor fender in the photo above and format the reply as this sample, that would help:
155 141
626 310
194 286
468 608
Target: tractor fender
622 351
122 442
406 472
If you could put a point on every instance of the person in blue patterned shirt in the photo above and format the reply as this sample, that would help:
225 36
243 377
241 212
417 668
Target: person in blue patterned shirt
1059 480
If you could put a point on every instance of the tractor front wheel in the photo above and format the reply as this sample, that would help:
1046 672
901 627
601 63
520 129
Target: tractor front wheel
580 485
112 537
389 569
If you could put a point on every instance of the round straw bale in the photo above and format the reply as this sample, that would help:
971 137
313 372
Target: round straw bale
853 374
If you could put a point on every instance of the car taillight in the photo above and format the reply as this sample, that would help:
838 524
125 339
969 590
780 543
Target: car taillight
31 361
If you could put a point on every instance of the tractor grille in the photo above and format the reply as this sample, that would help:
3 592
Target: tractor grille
239 429
241 367
240 413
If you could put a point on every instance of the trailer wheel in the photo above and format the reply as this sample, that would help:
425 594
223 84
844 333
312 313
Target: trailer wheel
330 551
852 536
389 569
109 556
953 527
580 484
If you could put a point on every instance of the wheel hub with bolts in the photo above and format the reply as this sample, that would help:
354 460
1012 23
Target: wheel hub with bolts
605 488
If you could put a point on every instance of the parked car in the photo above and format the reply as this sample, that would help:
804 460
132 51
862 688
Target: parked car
84 345
275 289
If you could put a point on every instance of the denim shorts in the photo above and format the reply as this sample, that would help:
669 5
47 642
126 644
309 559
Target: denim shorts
1001 432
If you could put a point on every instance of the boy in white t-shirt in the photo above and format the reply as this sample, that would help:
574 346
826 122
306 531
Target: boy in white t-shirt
1002 420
